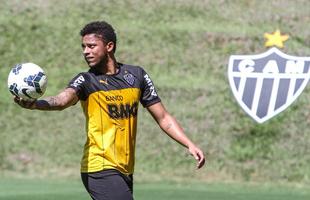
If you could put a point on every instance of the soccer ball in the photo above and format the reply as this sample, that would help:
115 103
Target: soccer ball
27 81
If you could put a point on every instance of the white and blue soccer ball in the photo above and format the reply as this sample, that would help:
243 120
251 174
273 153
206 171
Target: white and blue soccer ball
27 81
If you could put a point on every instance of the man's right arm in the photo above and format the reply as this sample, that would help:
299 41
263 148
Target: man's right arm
64 99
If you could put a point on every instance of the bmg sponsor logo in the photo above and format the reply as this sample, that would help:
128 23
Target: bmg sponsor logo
122 111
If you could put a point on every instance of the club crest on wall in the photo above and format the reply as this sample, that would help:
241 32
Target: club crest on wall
266 84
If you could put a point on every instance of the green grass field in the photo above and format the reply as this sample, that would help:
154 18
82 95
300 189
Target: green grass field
73 190
185 47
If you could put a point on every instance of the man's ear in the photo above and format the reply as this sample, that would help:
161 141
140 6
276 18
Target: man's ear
110 46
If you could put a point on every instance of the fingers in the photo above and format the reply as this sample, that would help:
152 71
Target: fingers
198 155
16 99
201 160
28 104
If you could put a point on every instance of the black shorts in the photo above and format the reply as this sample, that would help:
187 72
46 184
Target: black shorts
108 185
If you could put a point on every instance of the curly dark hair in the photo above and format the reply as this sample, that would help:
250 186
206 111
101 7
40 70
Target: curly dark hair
101 28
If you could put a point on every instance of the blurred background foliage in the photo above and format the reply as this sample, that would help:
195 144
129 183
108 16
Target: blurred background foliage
185 47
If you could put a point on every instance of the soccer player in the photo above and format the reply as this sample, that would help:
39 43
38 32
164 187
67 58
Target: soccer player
110 93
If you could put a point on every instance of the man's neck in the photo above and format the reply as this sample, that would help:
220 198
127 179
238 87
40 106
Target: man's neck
110 67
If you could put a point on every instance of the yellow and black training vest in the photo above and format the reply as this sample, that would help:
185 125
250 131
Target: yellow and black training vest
110 104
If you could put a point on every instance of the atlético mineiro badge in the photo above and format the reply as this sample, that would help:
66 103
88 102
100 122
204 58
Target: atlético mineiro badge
129 79
266 84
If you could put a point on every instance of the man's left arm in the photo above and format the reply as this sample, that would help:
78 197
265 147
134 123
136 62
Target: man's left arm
171 127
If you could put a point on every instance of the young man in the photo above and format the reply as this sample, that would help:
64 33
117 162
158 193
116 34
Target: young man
110 93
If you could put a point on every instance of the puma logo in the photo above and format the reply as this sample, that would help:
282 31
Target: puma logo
104 81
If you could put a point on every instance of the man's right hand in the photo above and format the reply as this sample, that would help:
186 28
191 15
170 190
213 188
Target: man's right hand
28 104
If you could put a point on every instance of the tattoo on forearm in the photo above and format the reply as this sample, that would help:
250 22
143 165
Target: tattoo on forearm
52 101
169 126
49 103
58 102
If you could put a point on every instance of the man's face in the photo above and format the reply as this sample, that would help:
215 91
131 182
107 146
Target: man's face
94 50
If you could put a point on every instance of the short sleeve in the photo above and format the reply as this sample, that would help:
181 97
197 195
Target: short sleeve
78 84
149 95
